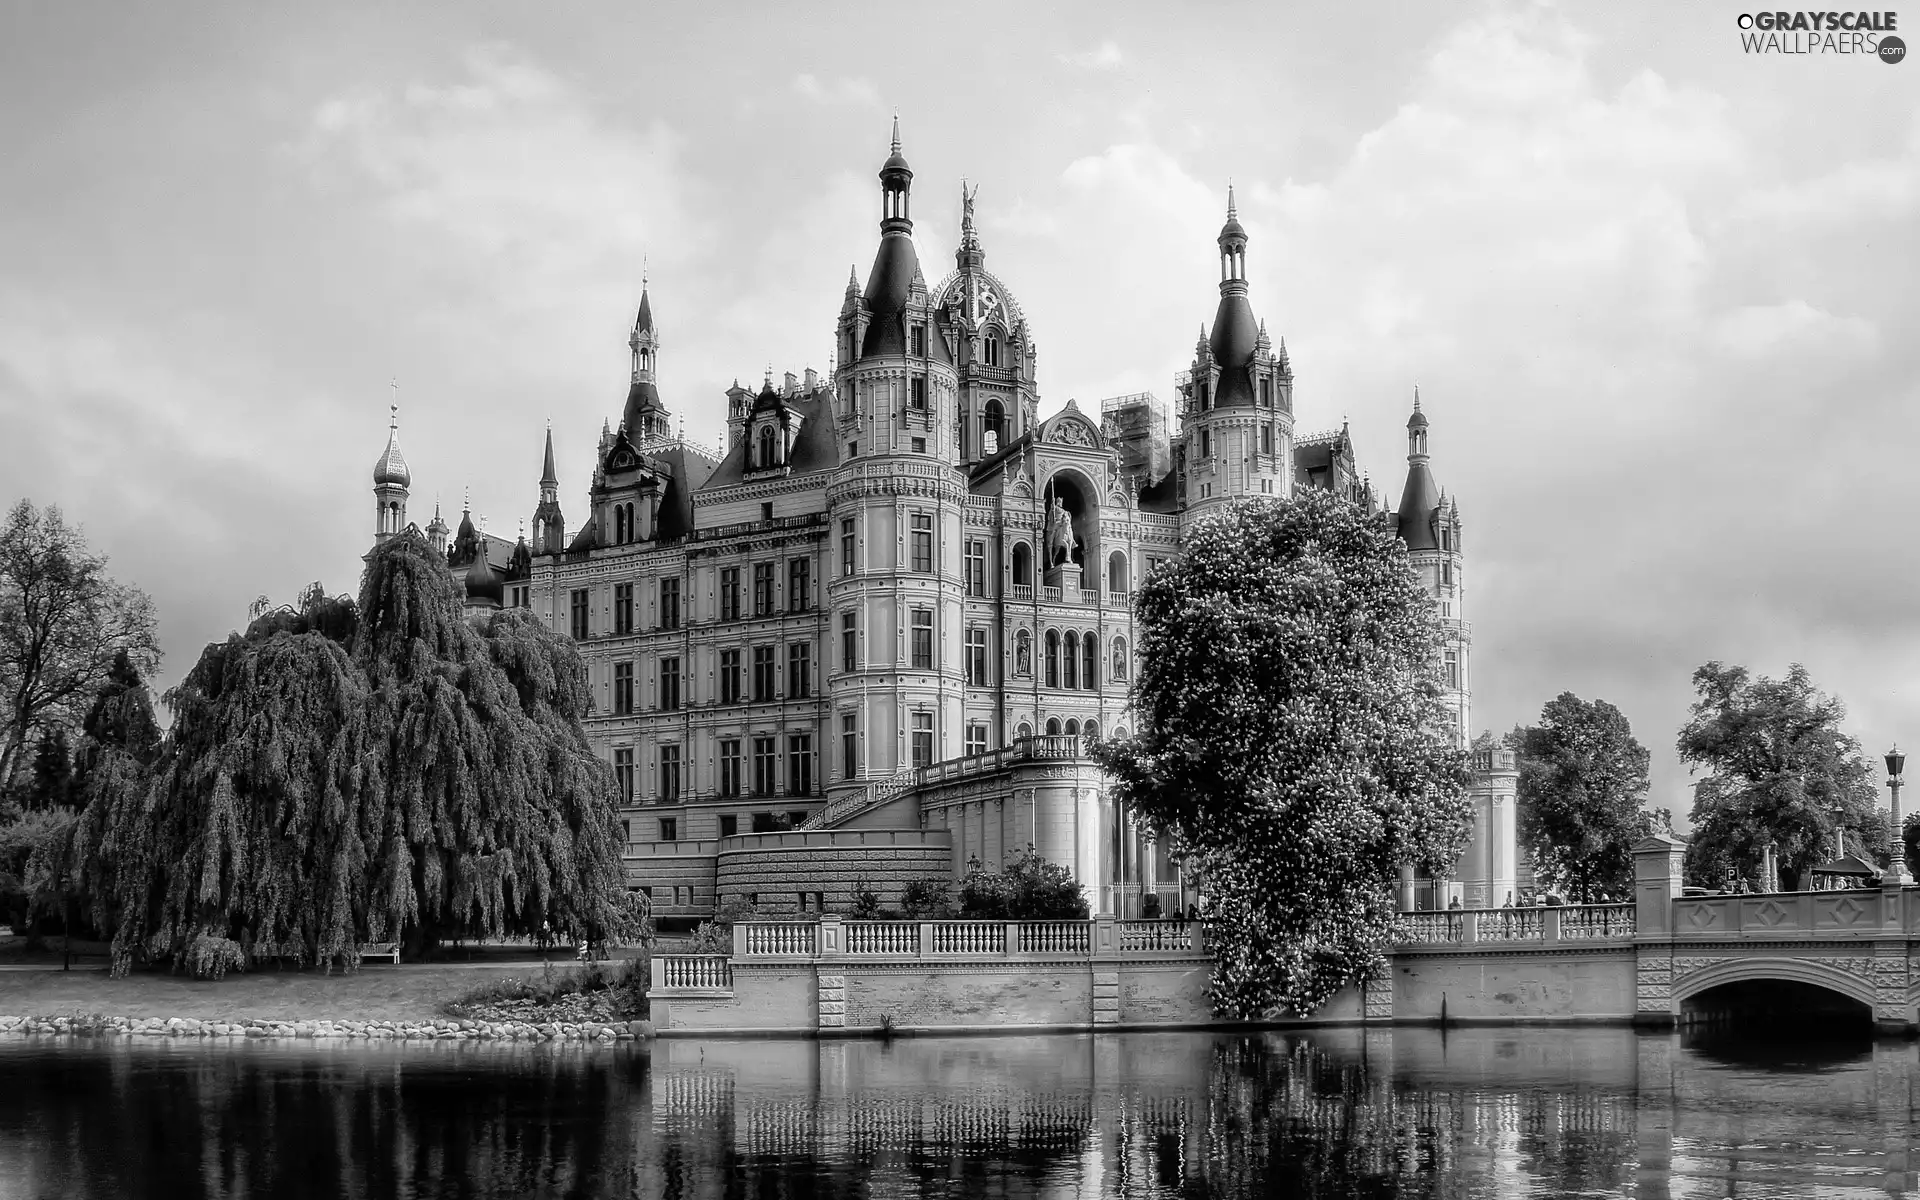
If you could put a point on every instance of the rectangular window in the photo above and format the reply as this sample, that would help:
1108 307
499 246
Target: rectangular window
730 593
1453 669
917 392
849 641
799 764
669 829
919 445
799 670
923 542
729 677
578 624
1446 574
731 767
766 766
766 510
849 746
762 674
622 689
976 739
922 739
846 547
976 568
622 608
799 584
626 831
669 684
919 341
1266 439
729 826
765 822
763 589
623 773
977 657
923 638
669 774
1206 443
669 604
1266 391
522 597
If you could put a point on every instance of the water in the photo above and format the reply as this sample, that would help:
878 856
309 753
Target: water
1474 1113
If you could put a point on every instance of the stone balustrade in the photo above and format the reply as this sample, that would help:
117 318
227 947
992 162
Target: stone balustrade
692 973
961 940
1577 922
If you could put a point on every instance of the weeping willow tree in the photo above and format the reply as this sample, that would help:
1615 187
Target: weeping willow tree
346 773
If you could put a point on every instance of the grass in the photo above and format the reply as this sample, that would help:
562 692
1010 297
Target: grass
609 989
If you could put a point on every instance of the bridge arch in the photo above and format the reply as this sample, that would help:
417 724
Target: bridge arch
1775 970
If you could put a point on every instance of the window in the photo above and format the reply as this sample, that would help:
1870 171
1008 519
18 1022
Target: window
623 773
729 677
977 657
994 427
920 445
1266 439
731 767
990 349
1446 574
763 589
849 641
1200 394
1453 669
669 774
1073 728
799 670
799 764
766 822
846 547
799 584
1070 660
729 825
669 604
1022 565
669 684
730 593
1053 658
849 746
1024 731
766 510
919 341
976 739
795 820
922 739
853 449
626 831
578 627
766 767
1266 393
521 597
762 674
923 542
923 638
917 392
1117 572
1053 726
669 829
622 608
622 689
1206 443
1090 662
976 568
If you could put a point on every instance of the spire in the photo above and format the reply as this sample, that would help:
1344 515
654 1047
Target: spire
643 415
896 131
549 478
1235 340
896 264
390 470
1421 498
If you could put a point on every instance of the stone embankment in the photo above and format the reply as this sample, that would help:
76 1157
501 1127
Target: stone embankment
400 1031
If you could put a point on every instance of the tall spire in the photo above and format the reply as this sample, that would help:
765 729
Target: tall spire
391 468
1235 340
896 263
643 415
1421 498
896 131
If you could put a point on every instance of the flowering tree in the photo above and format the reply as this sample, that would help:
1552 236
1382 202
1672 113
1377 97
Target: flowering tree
344 773
1291 744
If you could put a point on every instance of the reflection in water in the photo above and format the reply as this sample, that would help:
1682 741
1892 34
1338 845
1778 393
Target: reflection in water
1474 1113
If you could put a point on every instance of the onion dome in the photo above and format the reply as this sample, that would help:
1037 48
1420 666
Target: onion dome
391 467
482 583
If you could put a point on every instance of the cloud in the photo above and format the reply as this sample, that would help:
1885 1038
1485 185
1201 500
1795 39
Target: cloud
1104 57
837 91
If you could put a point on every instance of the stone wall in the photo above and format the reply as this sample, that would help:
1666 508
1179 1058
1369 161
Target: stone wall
1509 984
777 867
980 995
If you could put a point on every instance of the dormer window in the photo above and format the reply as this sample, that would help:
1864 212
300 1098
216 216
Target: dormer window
990 350
919 341
765 457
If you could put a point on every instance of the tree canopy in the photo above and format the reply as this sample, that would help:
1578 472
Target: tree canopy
1583 794
350 772
1780 769
63 623
1292 744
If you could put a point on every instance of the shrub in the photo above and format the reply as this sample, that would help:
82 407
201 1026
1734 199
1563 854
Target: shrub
211 957
866 901
928 899
716 936
1030 889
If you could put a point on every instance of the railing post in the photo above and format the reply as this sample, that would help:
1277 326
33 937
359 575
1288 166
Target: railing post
1013 938
740 940
1550 925
658 969
1470 926
832 939
1657 882
926 938
1106 937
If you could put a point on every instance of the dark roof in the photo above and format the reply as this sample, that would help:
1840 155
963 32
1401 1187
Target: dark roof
643 323
1417 502
888 286
1233 341
548 477
642 397
815 451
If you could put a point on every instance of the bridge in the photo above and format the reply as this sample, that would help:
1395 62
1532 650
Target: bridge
1840 957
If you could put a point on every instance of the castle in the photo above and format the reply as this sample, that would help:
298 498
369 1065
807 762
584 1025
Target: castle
868 640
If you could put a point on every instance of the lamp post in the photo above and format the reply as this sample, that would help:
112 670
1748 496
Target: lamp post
1897 873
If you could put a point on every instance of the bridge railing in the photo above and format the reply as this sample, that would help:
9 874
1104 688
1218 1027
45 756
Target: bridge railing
1463 926
1836 913
833 937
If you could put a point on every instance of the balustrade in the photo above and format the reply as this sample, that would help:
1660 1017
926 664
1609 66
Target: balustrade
969 937
696 972
1021 591
1157 935
883 937
1050 594
1579 922
783 939
1054 937
1589 921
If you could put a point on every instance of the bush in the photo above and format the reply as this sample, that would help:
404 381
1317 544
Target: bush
866 901
211 957
716 936
1030 889
928 899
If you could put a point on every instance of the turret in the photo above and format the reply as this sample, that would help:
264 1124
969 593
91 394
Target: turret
549 527
644 417
391 479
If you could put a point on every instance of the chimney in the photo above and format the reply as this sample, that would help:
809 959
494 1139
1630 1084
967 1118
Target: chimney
792 385
813 380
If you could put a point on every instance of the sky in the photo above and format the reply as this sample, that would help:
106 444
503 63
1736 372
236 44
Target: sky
1658 294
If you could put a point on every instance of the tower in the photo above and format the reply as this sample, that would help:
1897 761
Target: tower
549 527
644 417
994 351
391 479
1429 524
1237 426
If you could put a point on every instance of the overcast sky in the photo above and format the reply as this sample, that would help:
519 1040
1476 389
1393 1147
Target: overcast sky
1659 296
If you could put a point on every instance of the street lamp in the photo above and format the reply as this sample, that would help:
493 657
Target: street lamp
1897 872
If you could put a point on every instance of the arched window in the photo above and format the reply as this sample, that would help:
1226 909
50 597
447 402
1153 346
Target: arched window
620 524
994 426
1119 672
1117 573
1091 728
766 448
1022 565
1072 729
1120 732
1072 676
1090 662
1053 726
990 350
1053 658
1024 731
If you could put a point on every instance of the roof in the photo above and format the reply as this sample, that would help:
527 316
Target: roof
391 466
888 286
643 323
548 476
1233 341
642 397
1850 864
815 451
1417 502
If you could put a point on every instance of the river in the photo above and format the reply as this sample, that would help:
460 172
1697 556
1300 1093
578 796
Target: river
1409 1112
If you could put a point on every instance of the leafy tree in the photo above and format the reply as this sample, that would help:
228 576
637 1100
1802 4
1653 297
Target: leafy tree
1292 745
63 623
347 773
927 899
1029 889
1910 838
1583 793
1779 769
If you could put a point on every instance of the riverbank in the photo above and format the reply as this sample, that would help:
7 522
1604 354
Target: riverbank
80 1024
